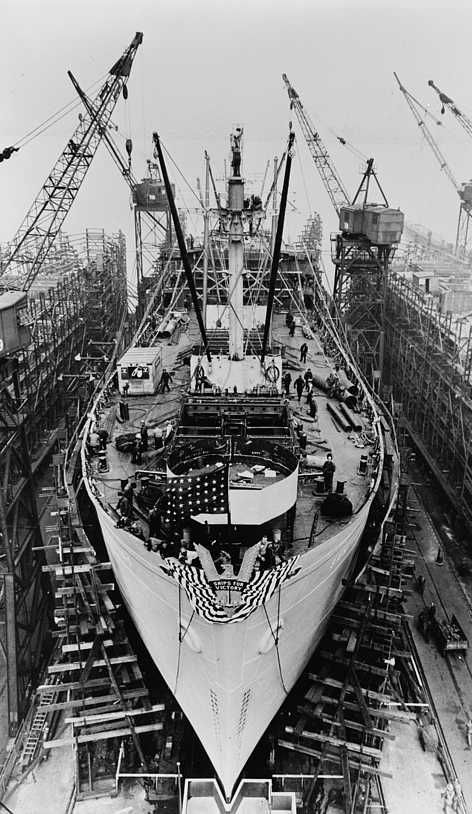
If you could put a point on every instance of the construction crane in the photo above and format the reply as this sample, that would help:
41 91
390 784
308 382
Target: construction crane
464 190
324 164
42 223
449 104
361 251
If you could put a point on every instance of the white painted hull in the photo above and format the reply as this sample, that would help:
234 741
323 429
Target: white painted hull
230 679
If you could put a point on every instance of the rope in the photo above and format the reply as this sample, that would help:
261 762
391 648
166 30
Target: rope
180 640
276 642
181 637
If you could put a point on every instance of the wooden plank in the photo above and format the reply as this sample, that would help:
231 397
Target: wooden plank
360 665
93 701
75 685
69 570
89 720
102 587
331 720
346 781
100 736
305 750
79 665
324 738
332 682
75 648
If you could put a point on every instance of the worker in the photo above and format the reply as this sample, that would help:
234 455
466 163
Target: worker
291 330
165 379
313 407
128 491
468 732
420 584
287 382
169 430
94 441
199 374
144 436
329 469
103 436
457 799
448 795
137 450
299 386
123 507
158 442
308 376
303 352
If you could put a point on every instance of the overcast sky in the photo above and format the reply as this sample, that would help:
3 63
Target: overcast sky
206 65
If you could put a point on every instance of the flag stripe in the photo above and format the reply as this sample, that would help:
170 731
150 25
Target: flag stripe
204 599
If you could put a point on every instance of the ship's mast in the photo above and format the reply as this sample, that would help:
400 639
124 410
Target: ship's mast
236 249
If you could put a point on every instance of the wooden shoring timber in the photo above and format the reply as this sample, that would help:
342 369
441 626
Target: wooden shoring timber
377 633
380 590
96 718
384 714
376 613
75 685
132 727
358 748
75 648
98 700
373 695
333 758
360 697
63 571
98 736
346 780
347 723
79 665
311 788
68 590
364 666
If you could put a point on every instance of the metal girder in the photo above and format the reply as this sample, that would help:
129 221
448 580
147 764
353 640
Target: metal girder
359 298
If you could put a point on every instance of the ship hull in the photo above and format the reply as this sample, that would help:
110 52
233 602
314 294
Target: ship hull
231 678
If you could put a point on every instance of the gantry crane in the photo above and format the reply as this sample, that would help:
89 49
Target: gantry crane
464 190
361 251
43 221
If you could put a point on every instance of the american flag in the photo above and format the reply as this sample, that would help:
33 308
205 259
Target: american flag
204 598
191 495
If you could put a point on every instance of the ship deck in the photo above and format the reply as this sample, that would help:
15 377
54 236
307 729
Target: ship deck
323 434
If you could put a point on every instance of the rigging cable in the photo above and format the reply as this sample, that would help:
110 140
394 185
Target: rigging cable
275 637
54 118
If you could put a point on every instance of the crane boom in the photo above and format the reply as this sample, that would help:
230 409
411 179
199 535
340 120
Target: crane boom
42 223
323 162
413 104
447 102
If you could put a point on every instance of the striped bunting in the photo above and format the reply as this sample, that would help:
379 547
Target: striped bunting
204 598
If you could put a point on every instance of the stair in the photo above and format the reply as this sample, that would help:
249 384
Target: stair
37 730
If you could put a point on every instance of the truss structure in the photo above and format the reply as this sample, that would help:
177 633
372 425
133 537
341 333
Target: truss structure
428 365
44 391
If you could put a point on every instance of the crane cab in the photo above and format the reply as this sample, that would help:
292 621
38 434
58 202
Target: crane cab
381 225
14 328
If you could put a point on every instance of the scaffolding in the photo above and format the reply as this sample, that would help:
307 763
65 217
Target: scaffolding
45 388
428 366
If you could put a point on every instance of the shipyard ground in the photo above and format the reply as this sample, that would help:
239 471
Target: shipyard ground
417 779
